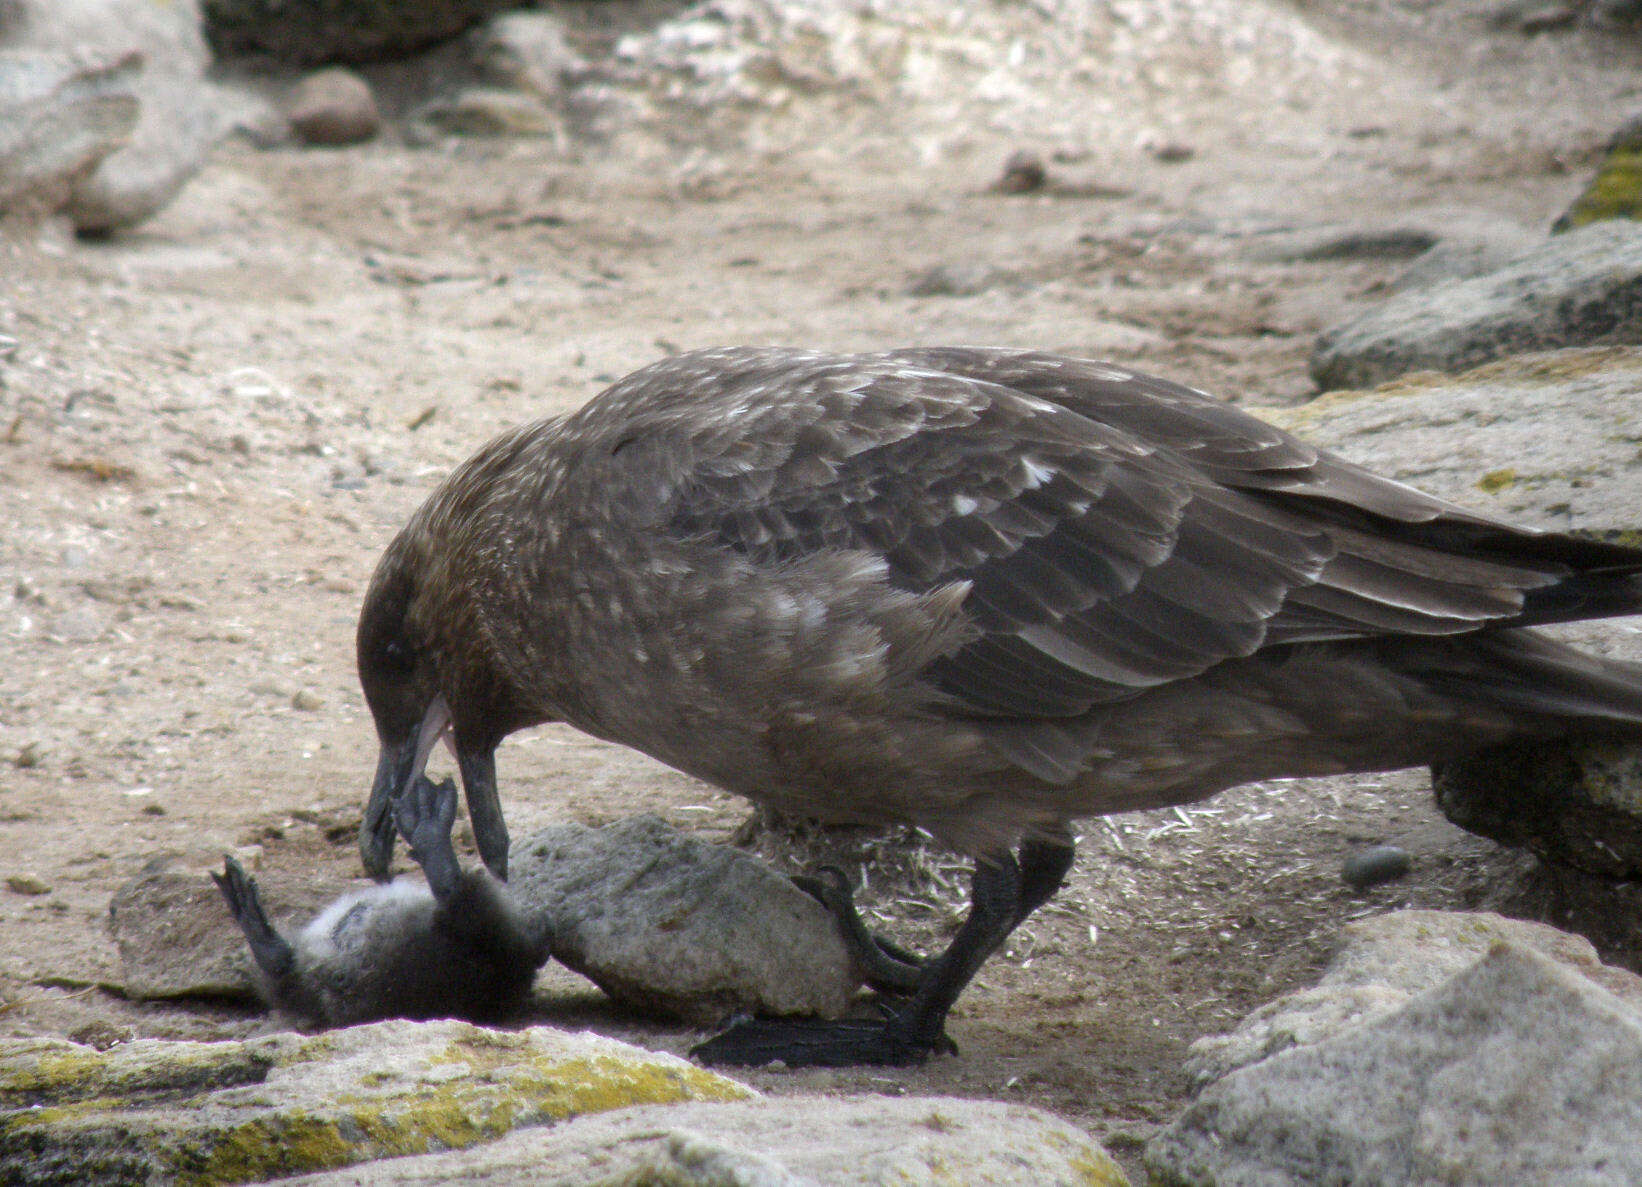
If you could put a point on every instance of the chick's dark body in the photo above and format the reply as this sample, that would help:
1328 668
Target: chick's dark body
981 591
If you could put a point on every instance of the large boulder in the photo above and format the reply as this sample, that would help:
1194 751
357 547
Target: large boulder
307 32
1580 288
61 114
1524 1066
153 1111
867 1141
180 115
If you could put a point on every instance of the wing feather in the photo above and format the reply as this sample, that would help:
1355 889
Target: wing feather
1116 531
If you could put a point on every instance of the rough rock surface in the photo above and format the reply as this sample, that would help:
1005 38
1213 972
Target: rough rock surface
177 939
669 923
1382 962
526 51
1522 1067
60 115
916 77
1580 288
1545 440
205 1113
315 31
792 1142
483 111
180 115
1473 249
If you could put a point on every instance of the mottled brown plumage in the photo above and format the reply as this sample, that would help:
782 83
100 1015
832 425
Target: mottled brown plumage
981 591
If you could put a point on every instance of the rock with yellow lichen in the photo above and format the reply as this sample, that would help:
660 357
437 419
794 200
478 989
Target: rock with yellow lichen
155 1111
1616 190
1547 440
853 1142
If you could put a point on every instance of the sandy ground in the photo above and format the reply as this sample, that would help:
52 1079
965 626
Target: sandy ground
210 427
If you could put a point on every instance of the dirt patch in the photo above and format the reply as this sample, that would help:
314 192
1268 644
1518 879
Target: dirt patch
210 427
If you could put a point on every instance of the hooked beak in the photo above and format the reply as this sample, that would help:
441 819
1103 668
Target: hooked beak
397 766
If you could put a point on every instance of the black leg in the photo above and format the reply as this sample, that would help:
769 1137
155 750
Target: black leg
911 1031
268 948
1044 863
478 767
888 967
425 813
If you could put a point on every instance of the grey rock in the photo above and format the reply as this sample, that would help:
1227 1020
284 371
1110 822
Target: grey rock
179 117
1374 865
333 107
316 31
526 51
1023 173
484 111
1579 288
1459 255
152 1111
60 115
1535 16
1382 963
792 1142
671 924
176 938
1520 1068
1547 440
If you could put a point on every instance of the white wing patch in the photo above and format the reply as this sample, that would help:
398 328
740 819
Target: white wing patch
1037 473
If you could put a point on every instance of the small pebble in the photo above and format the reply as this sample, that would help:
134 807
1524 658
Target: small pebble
1376 864
27 884
1023 173
1172 152
304 699
29 756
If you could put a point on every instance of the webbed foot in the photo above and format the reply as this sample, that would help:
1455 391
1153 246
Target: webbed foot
268 948
809 1042
425 813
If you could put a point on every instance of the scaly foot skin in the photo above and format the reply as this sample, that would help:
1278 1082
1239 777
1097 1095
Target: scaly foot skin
425 813
888 967
805 1042
272 954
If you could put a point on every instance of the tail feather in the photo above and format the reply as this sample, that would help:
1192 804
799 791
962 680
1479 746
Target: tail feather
1601 593
1554 688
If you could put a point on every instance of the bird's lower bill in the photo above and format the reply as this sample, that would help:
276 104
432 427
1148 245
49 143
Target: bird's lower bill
397 766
